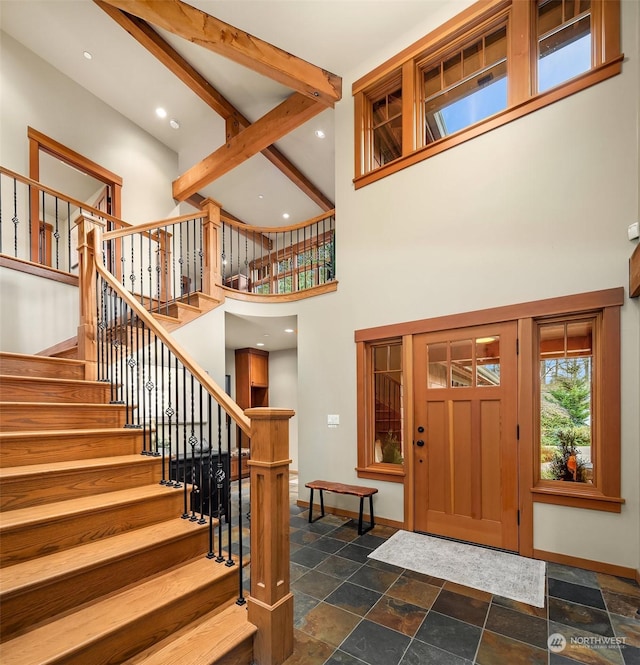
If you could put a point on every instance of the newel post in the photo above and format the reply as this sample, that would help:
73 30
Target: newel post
89 236
271 601
211 275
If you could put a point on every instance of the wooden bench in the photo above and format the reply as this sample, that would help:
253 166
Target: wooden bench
340 488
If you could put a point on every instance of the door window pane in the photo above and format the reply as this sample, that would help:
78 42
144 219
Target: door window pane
461 363
488 361
437 359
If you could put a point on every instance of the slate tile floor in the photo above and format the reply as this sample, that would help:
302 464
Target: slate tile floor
351 610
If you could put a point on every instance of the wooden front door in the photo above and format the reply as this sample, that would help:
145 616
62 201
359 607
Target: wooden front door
465 445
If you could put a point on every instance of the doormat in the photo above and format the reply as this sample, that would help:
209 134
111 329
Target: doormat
499 573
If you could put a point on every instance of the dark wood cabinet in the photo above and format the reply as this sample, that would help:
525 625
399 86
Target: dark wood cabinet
252 389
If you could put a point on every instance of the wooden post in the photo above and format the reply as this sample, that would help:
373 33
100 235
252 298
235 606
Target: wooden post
89 235
271 601
211 276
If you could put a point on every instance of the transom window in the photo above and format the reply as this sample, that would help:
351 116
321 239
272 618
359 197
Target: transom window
495 62
466 86
564 40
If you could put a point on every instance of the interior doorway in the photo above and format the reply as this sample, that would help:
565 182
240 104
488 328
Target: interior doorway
465 456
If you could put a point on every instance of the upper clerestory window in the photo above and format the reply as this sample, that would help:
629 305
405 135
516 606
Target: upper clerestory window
493 63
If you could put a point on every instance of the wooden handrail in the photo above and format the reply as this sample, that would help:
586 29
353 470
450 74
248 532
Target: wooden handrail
199 374
85 207
151 226
246 228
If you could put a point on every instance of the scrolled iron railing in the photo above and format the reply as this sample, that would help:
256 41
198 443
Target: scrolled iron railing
183 417
278 260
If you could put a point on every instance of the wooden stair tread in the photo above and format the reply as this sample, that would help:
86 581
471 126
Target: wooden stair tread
15 472
47 569
63 433
203 643
51 379
32 516
38 357
52 641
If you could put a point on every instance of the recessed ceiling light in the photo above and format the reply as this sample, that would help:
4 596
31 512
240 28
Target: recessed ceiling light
319 133
259 344
174 124
266 335
286 215
260 196
289 330
87 55
160 112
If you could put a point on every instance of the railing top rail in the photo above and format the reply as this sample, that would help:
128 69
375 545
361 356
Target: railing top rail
64 197
151 226
276 229
199 374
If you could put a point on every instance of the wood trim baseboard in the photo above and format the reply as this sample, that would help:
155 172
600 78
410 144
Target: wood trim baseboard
588 564
38 270
332 510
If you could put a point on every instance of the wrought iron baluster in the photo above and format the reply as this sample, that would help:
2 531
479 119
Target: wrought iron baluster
185 514
163 413
223 257
203 471
195 482
241 599
15 219
69 237
200 226
220 478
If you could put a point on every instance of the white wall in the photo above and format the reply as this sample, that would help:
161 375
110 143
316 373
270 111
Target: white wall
37 95
283 393
535 209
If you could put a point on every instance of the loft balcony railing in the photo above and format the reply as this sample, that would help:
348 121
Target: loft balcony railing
281 260
172 260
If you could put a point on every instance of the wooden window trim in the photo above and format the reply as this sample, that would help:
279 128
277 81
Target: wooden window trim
605 496
606 62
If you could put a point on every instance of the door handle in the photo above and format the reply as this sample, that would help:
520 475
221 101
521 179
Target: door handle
420 443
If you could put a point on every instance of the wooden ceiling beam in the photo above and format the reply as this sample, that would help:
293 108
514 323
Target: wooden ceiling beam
275 124
209 32
145 35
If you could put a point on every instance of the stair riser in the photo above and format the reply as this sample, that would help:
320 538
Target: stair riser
38 449
20 418
153 627
20 389
239 655
51 487
23 610
24 542
40 366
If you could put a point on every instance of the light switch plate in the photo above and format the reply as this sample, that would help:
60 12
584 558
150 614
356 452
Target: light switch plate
333 420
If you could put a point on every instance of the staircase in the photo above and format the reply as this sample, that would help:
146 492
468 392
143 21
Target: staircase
96 565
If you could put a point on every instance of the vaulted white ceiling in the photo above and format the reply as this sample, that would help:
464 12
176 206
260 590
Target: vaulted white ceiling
335 35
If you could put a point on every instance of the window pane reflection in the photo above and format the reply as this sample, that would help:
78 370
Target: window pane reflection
488 361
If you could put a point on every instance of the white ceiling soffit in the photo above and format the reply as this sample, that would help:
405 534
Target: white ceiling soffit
242 331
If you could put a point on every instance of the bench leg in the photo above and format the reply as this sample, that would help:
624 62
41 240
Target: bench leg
372 522
311 506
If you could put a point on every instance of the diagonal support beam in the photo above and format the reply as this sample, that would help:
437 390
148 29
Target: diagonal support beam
209 32
145 35
275 124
